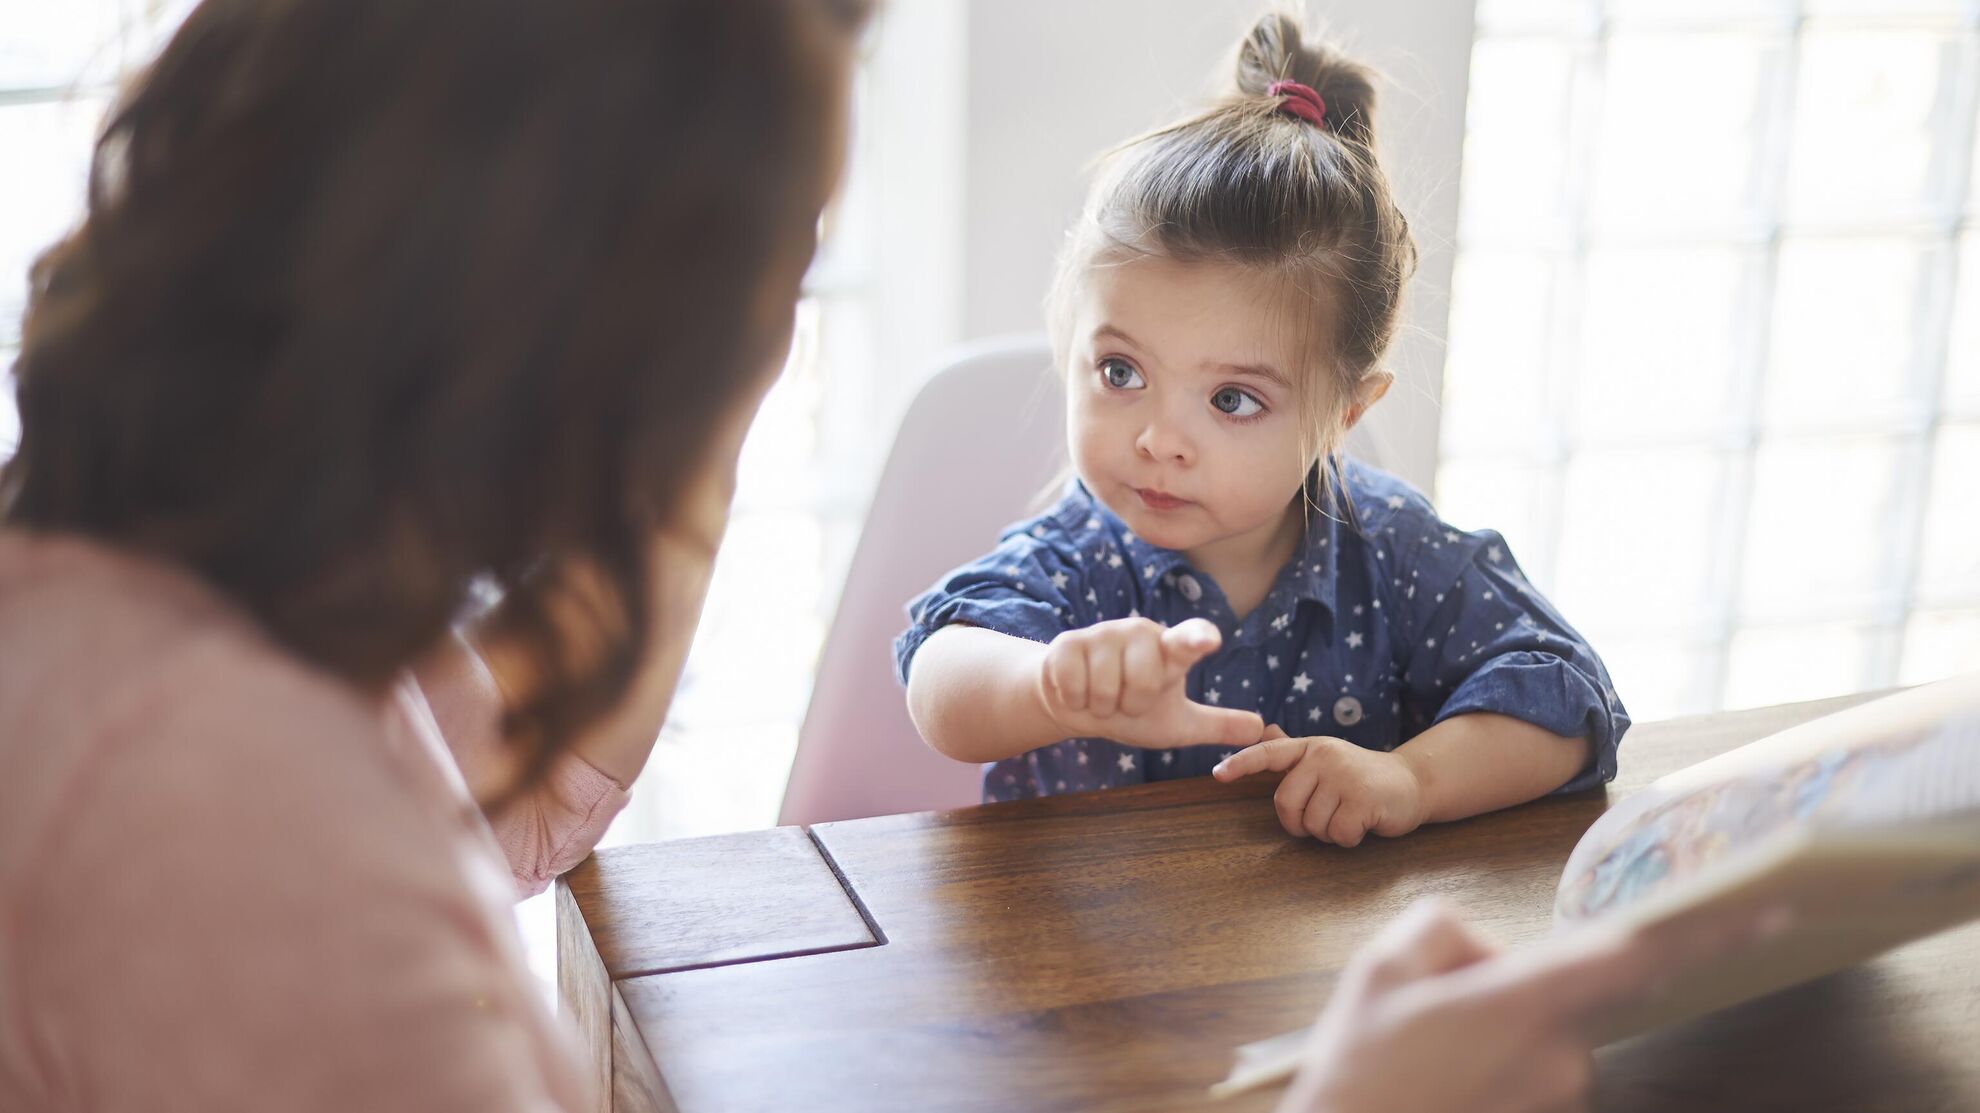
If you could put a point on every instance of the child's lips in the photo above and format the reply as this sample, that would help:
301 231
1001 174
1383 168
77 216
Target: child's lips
1159 500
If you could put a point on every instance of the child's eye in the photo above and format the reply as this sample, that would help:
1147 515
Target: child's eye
1237 403
1121 375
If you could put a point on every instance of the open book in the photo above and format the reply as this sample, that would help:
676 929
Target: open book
1865 824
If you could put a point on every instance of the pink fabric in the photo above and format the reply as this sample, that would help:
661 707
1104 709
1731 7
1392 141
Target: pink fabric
229 881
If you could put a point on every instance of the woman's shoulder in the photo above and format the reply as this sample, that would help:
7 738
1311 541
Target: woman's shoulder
136 696
195 821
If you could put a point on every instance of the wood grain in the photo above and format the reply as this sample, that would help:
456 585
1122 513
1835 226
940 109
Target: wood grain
712 901
584 995
636 1083
1106 952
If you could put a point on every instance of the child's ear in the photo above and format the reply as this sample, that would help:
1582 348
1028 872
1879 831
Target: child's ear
1371 390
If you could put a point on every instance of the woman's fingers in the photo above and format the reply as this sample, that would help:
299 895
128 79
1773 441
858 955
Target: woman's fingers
1579 976
1427 940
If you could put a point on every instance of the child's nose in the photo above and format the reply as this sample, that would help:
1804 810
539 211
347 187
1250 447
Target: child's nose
1165 441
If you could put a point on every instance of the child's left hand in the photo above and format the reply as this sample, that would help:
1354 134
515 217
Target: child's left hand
1334 790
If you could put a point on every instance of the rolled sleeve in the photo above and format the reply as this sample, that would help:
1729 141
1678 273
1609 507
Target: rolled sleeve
1023 588
1552 694
1489 641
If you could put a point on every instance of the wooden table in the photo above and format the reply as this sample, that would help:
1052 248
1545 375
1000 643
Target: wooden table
1106 952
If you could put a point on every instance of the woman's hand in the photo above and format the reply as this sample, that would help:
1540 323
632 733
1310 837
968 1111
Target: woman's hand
1333 790
1430 1018
1125 680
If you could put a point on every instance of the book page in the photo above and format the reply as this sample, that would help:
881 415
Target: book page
1903 759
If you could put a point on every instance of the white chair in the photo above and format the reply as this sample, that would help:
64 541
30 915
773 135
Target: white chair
980 443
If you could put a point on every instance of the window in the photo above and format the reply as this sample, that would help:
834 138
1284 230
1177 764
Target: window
1715 339
58 66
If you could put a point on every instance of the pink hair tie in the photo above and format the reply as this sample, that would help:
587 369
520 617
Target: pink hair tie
1301 101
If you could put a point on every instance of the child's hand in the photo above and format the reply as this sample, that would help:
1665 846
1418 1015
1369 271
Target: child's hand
1124 680
1334 790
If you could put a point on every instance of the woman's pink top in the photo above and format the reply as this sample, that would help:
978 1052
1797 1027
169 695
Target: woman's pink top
230 881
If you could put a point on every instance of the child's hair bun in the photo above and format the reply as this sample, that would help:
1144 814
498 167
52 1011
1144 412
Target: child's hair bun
1278 49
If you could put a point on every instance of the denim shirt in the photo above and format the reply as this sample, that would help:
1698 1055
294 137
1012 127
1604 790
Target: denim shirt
1386 621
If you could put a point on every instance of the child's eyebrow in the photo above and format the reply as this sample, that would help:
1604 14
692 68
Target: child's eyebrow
1112 332
1256 371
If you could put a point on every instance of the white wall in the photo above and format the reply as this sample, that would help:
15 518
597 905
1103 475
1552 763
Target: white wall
1051 83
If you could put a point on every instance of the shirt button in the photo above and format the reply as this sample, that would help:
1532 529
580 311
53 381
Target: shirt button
1191 590
1347 711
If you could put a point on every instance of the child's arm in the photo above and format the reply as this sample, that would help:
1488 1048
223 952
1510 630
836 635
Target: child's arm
977 695
1480 762
1467 765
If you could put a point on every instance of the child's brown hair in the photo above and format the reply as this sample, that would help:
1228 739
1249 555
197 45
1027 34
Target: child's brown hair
1252 181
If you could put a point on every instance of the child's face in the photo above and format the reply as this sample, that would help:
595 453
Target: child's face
1182 404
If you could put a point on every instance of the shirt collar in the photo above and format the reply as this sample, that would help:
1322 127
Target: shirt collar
1313 565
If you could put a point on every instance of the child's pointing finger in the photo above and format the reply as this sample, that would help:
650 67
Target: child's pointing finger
1275 755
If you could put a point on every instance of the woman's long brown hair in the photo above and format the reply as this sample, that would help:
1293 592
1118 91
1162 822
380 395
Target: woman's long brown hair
379 299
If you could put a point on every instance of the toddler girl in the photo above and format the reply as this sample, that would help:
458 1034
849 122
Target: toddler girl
1220 591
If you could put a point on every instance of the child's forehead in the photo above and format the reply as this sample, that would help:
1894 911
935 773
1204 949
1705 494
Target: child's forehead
1204 312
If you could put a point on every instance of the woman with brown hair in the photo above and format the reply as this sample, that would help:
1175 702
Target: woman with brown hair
380 308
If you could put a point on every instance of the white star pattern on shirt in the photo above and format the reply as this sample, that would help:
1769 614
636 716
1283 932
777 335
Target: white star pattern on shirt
1059 580
1395 502
1093 523
1168 757
1494 553
1147 571
1313 714
1114 560
1450 535
1013 570
1092 597
1358 608
1082 757
1127 763
1271 662
1213 696
1302 682
1354 639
